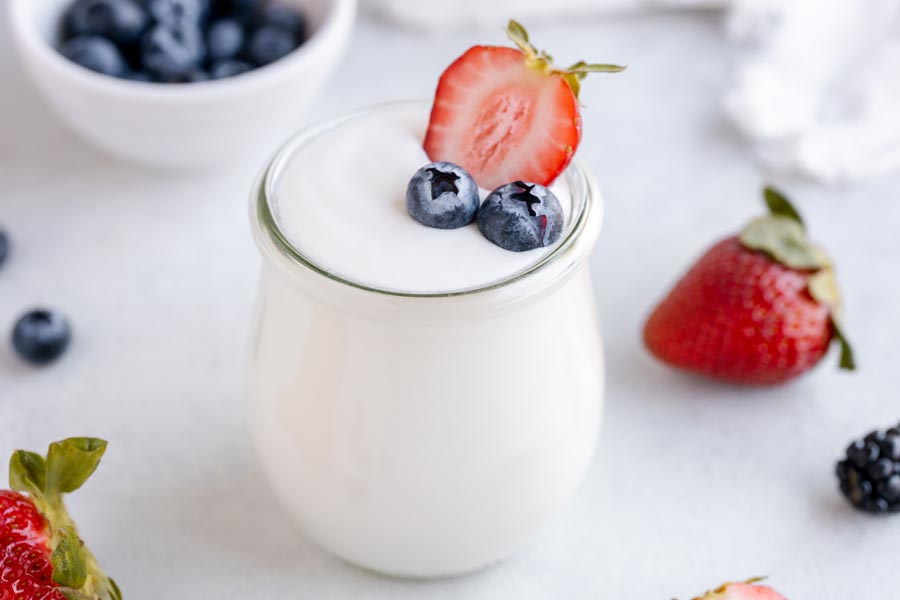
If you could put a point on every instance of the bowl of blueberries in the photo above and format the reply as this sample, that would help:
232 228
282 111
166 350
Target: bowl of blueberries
181 83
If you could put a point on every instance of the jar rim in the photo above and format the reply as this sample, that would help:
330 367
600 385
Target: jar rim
587 207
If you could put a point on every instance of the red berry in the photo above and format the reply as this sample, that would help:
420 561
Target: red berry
742 315
25 569
505 114
742 591
41 555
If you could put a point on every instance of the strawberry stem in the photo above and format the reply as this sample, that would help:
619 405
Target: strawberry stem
542 61
779 204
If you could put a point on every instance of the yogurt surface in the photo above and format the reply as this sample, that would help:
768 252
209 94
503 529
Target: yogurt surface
341 202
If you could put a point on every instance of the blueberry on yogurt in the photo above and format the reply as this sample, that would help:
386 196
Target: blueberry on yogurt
521 216
442 195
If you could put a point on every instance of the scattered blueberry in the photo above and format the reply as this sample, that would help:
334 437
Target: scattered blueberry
178 13
4 247
95 53
521 216
442 195
172 53
41 336
284 17
268 44
228 68
870 474
224 39
121 21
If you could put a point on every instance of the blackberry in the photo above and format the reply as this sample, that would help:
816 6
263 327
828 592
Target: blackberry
870 474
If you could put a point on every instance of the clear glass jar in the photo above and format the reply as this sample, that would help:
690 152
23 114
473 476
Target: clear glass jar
425 435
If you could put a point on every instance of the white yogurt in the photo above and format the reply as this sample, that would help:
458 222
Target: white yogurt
342 202
418 436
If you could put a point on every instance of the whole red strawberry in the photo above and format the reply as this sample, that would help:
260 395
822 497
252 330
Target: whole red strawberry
506 114
758 308
749 590
41 555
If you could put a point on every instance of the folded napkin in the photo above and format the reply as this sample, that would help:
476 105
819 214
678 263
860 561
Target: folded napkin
818 85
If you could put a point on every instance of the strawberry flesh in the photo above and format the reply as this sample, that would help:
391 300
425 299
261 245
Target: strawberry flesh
502 120
25 568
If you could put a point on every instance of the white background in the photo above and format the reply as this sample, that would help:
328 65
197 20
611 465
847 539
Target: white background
694 483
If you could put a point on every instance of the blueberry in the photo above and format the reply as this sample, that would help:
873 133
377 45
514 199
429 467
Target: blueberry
521 216
41 336
95 53
442 195
172 53
240 7
4 247
268 44
122 21
136 76
228 68
196 76
224 39
284 17
178 12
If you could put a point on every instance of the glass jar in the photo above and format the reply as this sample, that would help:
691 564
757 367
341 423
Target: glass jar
425 435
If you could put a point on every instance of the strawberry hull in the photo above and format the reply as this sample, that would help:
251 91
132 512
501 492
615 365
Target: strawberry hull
41 555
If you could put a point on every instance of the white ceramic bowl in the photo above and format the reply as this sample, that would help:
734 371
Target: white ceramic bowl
182 126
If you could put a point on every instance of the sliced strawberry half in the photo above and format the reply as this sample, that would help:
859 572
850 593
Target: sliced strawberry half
506 114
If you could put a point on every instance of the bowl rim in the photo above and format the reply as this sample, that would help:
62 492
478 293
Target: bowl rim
333 30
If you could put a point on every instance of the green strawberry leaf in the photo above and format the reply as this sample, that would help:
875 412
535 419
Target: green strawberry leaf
785 240
848 359
70 463
27 473
543 61
582 68
516 32
114 592
823 288
69 566
779 204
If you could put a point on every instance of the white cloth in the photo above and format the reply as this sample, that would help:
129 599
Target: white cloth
818 84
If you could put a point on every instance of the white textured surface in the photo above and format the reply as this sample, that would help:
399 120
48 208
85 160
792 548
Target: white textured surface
694 482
